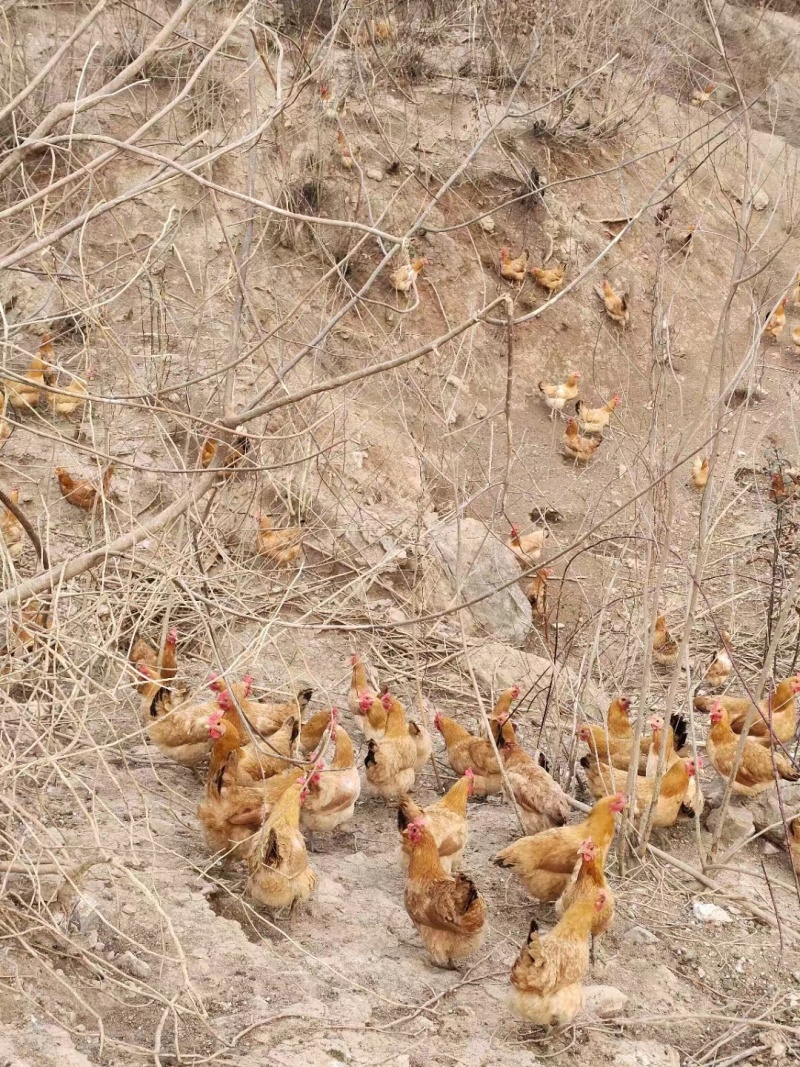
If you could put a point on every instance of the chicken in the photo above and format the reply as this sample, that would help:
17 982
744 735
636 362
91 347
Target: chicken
69 399
11 528
682 244
168 666
794 844
263 718
377 30
557 394
755 773
464 750
616 304
404 279
777 320
699 475
240 446
615 751
513 268
581 449
25 394
619 725
281 547
280 876
260 762
5 426
545 861
702 96
446 820
83 493
420 736
719 669
163 667
536 592
780 714
528 547
347 155
231 811
588 882
371 717
390 763
604 780
665 647
177 726
333 788
595 420
447 910
796 339
546 976
550 279
656 724
780 489
541 801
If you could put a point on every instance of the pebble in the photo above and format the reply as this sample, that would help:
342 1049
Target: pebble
375 175
604 1001
487 224
707 912
640 935
133 965
129 909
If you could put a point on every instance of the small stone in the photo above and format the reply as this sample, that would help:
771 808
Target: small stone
480 411
760 200
640 935
486 224
604 1001
778 1051
133 965
375 175
706 912
646 1054
768 849
129 909
390 317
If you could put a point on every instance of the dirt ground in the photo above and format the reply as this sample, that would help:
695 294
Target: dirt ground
124 941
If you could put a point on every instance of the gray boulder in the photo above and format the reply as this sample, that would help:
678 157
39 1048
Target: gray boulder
766 811
475 562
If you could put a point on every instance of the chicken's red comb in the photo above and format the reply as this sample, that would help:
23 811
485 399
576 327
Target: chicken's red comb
172 636
386 700
514 692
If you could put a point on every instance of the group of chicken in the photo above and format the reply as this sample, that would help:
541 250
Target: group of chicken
584 433
271 776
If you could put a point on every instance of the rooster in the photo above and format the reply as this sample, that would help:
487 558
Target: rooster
557 394
446 820
447 911
699 475
513 268
581 449
700 97
755 773
616 304
82 492
404 279
545 861
280 876
777 320
776 716
281 547
595 420
551 279
546 977
390 763
527 547
541 801
588 882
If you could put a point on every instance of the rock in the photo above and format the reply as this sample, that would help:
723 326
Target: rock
475 562
640 935
706 912
375 175
486 224
760 200
737 825
646 1054
604 1001
766 811
497 667
133 965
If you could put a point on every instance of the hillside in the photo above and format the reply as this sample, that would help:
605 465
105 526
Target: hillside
203 205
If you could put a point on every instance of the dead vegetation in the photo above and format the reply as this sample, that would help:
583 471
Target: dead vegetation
182 224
